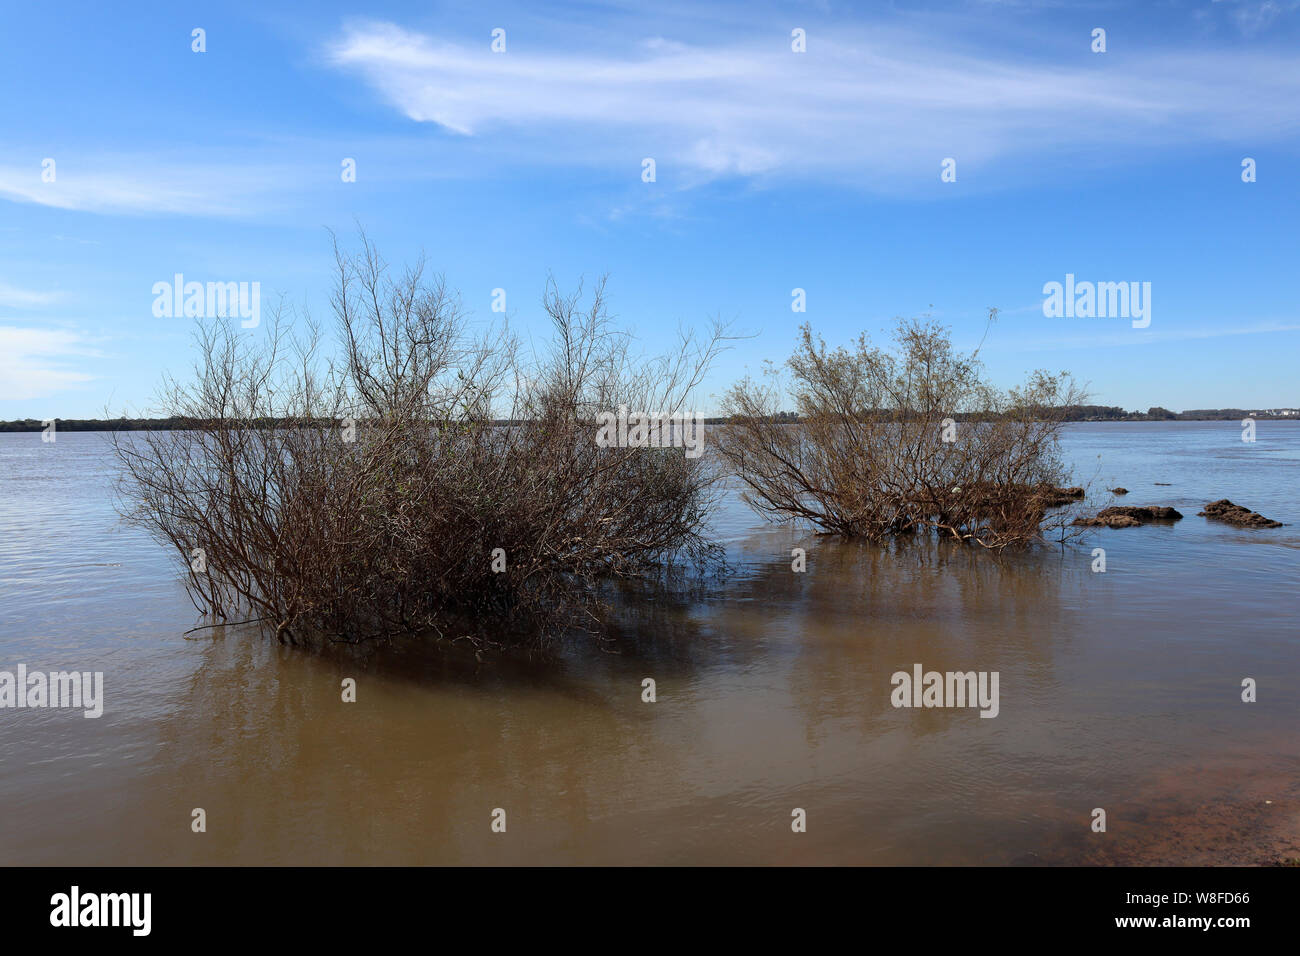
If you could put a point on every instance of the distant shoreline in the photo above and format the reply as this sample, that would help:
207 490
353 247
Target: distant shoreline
1087 414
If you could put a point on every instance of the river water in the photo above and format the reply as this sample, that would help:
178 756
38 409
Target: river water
1118 690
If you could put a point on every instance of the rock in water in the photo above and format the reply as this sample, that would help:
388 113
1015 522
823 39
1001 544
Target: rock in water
1055 497
1128 517
1225 510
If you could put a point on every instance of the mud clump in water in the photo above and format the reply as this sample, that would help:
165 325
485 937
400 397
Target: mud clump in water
1128 517
1055 497
1225 510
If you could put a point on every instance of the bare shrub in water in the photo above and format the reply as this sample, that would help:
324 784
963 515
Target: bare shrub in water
366 493
895 442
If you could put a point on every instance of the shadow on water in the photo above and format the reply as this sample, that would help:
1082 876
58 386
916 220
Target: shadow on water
773 691
861 592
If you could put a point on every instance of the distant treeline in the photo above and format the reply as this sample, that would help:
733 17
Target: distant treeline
1113 413
1103 413
113 424
1075 413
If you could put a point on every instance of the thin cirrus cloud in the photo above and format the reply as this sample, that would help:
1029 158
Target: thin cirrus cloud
33 361
1153 336
149 185
1252 17
868 106
15 297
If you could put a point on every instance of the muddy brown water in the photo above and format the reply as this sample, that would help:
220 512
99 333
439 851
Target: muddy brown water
1119 690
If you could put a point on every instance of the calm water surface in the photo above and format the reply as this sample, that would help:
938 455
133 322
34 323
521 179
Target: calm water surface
1118 690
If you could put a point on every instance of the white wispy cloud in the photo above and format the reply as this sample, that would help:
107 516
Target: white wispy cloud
1099 336
866 106
34 362
26 298
1252 17
150 184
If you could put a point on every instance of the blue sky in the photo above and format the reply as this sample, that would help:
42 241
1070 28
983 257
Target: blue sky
775 170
